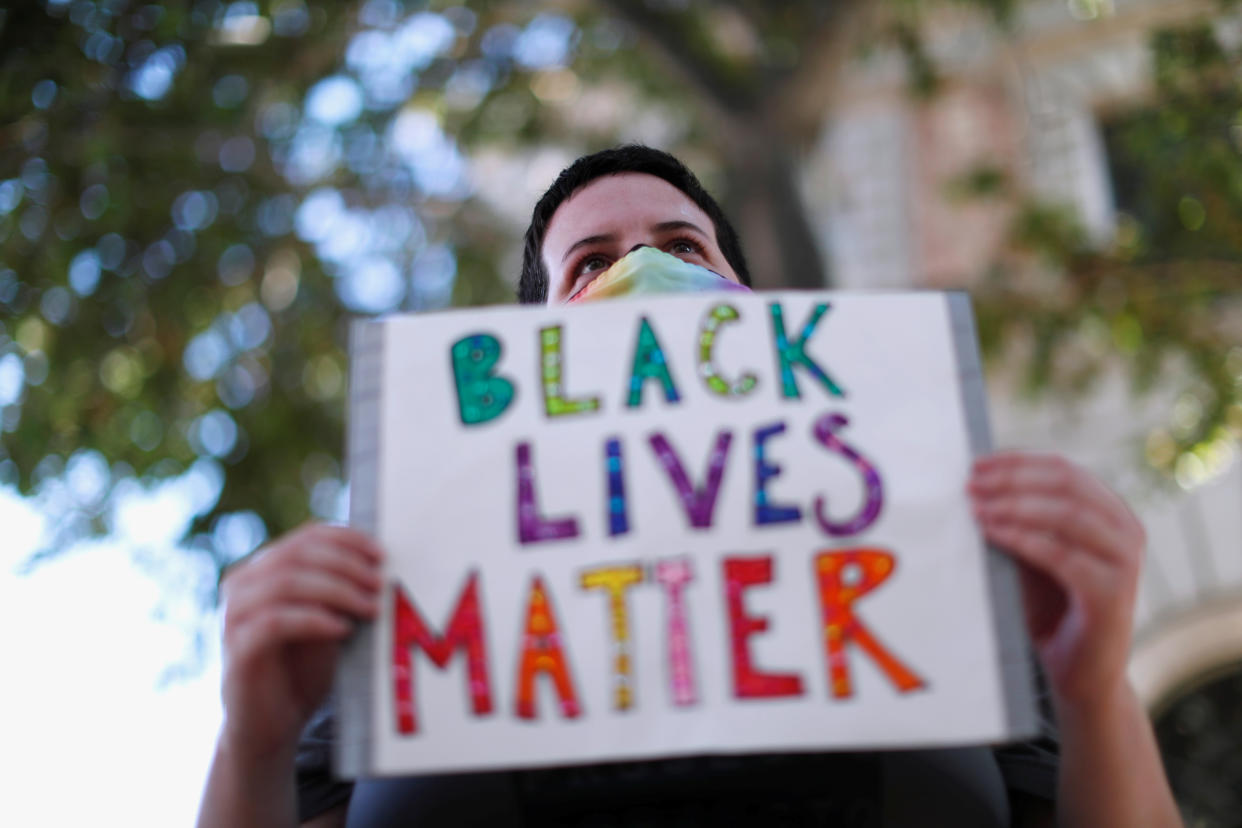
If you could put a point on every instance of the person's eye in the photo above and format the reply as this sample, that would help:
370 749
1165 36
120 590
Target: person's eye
592 264
585 270
683 247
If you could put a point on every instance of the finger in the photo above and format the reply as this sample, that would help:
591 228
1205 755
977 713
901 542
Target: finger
286 625
1000 459
341 562
299 587
314 548
1067 517
348 541
1052 556
1044 601
271 577
309 586
1012 472
351 539
1036 549
1004 473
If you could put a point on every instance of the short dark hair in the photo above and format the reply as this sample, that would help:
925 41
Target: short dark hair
631 158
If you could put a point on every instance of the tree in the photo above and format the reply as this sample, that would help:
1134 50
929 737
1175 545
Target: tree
195 196
157 309
195 193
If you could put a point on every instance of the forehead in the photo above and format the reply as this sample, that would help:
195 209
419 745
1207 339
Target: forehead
617 203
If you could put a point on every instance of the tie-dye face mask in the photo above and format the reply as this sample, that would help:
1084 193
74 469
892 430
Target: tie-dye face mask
648 270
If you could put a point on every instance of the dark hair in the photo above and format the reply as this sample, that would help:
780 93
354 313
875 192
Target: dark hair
631 158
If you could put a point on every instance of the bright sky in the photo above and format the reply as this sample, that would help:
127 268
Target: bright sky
92 735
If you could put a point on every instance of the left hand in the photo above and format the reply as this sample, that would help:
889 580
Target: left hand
1079 549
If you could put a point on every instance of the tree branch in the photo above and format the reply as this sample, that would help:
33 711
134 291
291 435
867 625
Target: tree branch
726 102
799 105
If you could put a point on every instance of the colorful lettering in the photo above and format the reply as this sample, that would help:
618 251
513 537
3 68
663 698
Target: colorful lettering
825 429
748 682
767 513
615 580
554 401
533 527
465 632
618 517
649 363
542 652
673 574
716 317
843 577
481 394
791 353
700 502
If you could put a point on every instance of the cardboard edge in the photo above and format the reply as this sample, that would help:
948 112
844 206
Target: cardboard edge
352 752
1013 647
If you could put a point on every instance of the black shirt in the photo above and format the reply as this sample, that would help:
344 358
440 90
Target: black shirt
963 788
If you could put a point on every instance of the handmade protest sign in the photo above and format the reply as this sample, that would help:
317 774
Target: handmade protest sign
695 524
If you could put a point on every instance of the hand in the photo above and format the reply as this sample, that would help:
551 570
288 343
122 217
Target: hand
286 610
1079 549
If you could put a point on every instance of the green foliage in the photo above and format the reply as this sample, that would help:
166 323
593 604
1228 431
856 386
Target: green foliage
1168 291
983 180
182 239
921 73
179 231
140 219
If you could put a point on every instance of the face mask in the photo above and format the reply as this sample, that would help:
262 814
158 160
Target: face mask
648 270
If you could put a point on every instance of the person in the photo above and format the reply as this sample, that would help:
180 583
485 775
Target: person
1078 546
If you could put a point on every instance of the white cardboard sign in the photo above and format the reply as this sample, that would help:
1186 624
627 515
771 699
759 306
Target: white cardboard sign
705 523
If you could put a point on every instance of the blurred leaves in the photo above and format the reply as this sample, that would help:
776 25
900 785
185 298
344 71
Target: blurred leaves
922 78
1165 297
169 298
139 222
195 196
983 180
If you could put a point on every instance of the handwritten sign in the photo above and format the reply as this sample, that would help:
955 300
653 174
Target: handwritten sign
692 525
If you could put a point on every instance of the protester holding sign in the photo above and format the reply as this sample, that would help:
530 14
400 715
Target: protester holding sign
627 222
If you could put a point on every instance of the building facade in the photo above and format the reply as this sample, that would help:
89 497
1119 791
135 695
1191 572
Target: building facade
1035 102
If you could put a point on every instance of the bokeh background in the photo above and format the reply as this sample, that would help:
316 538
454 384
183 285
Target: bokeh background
195 197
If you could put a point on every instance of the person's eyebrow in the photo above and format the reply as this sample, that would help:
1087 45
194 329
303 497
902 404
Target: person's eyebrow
665 226
607 237
661 227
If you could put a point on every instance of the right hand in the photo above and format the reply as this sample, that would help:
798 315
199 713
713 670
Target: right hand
286 612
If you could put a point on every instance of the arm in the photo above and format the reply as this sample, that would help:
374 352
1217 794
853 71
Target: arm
1111 772
246 791
285 613
1079 548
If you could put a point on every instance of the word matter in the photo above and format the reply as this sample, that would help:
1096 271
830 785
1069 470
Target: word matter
841 577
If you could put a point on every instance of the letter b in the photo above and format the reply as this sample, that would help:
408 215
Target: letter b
481 394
